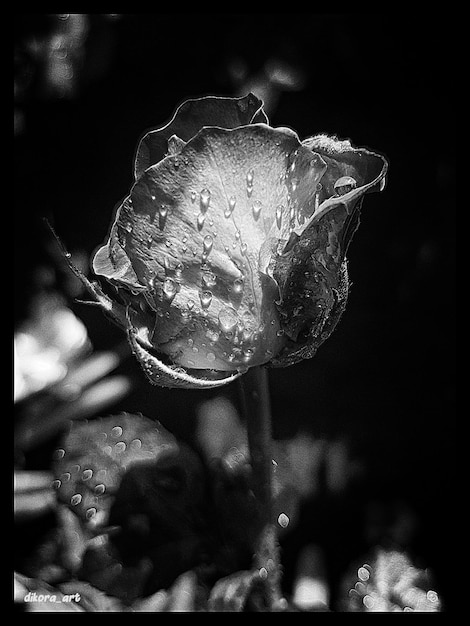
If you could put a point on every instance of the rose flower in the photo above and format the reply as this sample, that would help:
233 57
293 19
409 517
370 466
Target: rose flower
229 251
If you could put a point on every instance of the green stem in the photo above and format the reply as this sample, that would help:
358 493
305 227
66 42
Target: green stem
257 408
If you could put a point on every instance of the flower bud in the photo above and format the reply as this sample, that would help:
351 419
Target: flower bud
229 251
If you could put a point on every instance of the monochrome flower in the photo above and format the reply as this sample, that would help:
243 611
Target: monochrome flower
229 251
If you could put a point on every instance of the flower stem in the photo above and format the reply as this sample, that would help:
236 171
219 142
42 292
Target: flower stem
257 408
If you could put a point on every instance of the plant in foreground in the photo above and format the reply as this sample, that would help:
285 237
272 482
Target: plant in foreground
228 254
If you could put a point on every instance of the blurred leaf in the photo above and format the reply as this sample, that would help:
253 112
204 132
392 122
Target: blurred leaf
389 582
33 494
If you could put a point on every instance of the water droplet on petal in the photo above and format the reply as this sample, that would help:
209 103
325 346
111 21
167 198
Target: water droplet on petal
210 356
247 355
206 298
100 489
76 499
204 199
91 513
200 221
212 335
237 285
207 244
170 289
228 319
179 271
231 206
256 209
120 447
208 280
344 184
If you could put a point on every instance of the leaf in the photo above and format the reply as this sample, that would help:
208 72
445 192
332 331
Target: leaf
94 456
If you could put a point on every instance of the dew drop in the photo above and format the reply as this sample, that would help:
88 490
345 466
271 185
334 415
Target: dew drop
170 289
207 244
76 499
120 447
59 454
363 574
206 299
212 335
210 356
204 199
256 209
247 355
209 280
179 271
231 206
87 474
116 431
283 520
237 285
279 216
100 489
228 319
200 221
344 184
135 444
91 513
56 484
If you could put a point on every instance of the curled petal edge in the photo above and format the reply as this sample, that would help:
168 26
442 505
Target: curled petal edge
250 109
156 371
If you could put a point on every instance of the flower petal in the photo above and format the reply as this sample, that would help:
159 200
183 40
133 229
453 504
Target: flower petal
312 270
193 115
195 229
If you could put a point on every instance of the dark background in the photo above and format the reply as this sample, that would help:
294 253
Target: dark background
384 381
